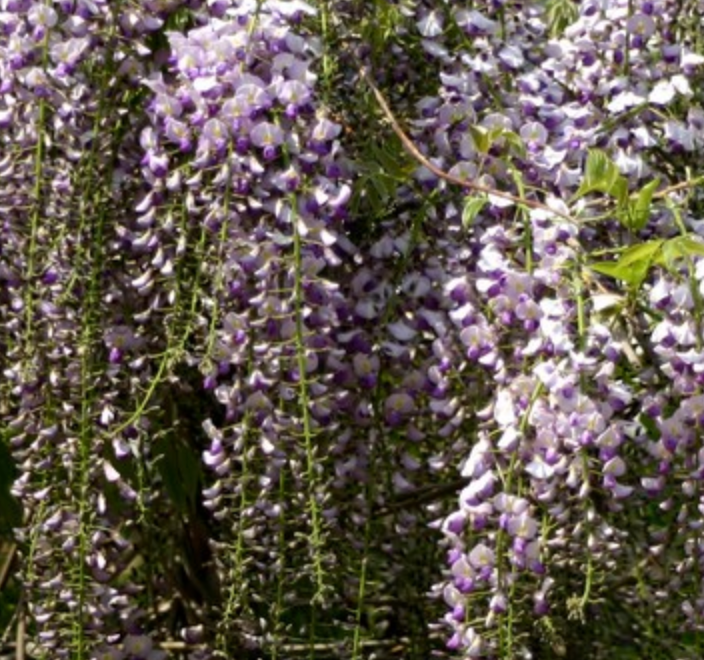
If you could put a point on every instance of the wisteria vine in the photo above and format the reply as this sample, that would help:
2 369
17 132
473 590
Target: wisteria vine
351 329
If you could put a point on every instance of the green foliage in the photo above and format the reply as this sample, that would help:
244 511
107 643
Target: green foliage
179 468
485 138
650 426
473 205
10 508
602 175
679 248
382 168
637 211
560 13
382 24
633 265
635 262
177 448
175 442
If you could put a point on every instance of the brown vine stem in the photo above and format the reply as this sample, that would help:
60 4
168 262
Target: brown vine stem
7 552
415 153
393 645
682 185
660 194
21 638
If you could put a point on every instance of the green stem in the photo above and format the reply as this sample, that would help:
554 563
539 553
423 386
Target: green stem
316 536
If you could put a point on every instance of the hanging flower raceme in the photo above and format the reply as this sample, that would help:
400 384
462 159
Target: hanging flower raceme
69 323
562 418
246 182
228 418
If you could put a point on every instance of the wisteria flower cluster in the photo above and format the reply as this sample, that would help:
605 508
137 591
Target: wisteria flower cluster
295 365
575 414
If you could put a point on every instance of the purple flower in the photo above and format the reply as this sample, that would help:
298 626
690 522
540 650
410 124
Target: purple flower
268 137
397 408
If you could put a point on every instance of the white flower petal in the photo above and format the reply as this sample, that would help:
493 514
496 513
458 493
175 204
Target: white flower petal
400 331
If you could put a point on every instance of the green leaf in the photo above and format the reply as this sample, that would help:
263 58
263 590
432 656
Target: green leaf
472 208
517 177
633 265
515 141
681 247
689 245
495 133
639 209
619 190
642 252
481 139
614 269
599 169
485 138
601 174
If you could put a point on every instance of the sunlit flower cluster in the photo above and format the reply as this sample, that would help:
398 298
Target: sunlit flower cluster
228 404
564 423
